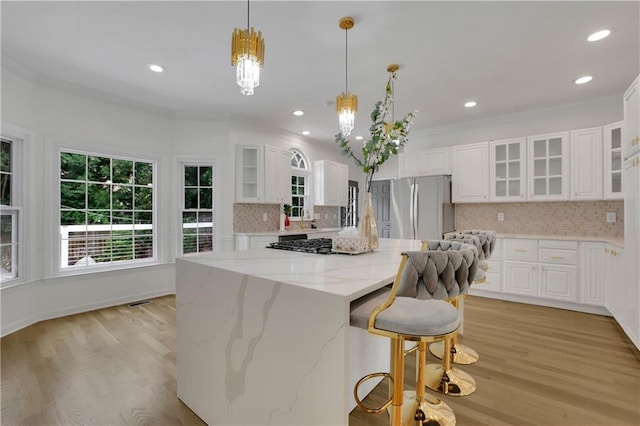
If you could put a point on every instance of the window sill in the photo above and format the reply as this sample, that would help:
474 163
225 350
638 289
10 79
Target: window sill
69 272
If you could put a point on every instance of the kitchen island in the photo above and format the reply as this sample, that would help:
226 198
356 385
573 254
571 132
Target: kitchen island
263 335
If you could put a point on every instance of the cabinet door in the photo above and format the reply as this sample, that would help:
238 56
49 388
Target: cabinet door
548 167
631 316
249 174
470 173
271 187
612 161
558 282
508 170
520 278
331 183
437 161
631 128
258 242
284 177
591 273
411 164
586 164
615 293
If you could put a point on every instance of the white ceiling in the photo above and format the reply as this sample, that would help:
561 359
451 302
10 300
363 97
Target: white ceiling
509 56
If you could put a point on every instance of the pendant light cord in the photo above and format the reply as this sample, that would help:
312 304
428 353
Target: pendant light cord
346 61
247 17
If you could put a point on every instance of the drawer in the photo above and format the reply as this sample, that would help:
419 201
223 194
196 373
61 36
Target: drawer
559 244
561 257
520 249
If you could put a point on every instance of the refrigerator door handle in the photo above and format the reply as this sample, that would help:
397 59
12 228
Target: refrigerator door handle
416 214
411 213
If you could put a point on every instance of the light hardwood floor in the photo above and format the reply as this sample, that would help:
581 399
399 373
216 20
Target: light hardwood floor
116 366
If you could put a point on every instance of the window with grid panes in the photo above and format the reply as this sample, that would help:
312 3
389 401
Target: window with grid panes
107 206
299 185
9 212
197 208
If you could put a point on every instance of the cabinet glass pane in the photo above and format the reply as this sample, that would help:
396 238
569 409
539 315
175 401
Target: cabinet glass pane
250 157
501 171
514 151
616 182
540 167
501 188
616 160
514 169
540 186
539 148
616 138
555 146
501 152
555 166
555 186
514 188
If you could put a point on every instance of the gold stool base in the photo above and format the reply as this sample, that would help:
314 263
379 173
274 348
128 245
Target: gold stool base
453 382
463 354
436 412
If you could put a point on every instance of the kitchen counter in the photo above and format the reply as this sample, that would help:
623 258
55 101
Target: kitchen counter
291 231
263 335
615 241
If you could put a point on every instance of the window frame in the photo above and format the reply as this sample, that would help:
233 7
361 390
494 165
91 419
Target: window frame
306 173
192 162
56 267
19 140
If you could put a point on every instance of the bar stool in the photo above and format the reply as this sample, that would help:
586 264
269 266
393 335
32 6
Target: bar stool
488 241
480 277
406 315
443 377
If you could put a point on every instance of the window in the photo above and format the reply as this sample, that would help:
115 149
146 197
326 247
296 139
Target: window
299 185
10 211
197 208
107 209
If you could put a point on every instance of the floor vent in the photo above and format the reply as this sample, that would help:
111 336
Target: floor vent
142 302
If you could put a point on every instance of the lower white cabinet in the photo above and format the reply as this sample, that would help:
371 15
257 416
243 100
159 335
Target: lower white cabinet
521 278
592 273
493 274
251 242
558 282
615 294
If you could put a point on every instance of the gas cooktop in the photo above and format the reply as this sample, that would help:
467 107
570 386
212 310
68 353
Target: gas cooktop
316 245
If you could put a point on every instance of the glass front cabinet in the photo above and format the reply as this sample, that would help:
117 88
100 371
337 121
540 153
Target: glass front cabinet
612 136
548 167
508 170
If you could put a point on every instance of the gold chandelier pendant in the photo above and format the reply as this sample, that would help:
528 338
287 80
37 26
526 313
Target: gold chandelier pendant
346 102
247 55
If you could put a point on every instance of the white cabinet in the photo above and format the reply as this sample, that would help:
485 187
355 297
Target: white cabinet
548 167
263 174
277 175
520 267
430 162
630 320
586 164
470 173
558 270
615 293
592 273
631 128
331 183
508 170
252 242
612 159
494 270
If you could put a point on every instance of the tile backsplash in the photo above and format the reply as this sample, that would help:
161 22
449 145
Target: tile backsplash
570 218
249 218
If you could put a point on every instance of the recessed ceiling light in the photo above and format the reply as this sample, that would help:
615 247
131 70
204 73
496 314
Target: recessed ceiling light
306 132
599 35
156 68
298 112
470 104
358 138
583 80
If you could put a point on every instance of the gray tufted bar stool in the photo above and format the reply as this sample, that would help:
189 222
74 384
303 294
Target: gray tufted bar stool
488 242
480 277
443 377
408 313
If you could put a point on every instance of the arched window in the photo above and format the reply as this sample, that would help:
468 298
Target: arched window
299 185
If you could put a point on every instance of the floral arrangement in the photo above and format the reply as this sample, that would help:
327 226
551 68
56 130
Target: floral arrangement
385 140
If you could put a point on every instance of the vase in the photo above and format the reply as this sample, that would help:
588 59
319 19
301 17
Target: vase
368 227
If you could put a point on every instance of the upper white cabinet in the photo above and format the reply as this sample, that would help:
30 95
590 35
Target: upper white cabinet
586 164
263 174
508 170
429 162
548 167
331 183
470 173
631 129
612 159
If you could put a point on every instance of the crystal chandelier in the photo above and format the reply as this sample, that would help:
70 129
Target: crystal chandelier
346 103
247 55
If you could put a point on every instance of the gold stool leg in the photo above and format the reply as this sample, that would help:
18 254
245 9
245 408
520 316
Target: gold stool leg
459 353
449 380
397 371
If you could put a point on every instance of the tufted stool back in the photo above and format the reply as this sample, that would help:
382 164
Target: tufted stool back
444 271
487 240
475 241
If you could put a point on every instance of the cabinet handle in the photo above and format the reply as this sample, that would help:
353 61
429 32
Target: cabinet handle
558 257
606 250
521 250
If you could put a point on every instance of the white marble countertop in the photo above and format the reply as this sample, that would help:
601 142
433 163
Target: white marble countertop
615 241
339 274
290 232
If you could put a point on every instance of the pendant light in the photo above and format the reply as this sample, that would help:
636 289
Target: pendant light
346 103
247 55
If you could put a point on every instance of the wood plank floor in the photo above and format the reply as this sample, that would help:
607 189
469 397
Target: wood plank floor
117 366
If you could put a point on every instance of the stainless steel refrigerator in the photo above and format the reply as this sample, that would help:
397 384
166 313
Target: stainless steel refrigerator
421 208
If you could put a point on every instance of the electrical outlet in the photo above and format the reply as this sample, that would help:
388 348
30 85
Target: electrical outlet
265 217
500 217
611 217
